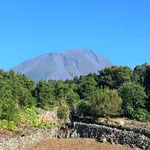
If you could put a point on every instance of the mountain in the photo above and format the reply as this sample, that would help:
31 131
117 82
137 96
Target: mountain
65 65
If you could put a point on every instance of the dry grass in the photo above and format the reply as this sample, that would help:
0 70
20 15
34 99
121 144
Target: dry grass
74 144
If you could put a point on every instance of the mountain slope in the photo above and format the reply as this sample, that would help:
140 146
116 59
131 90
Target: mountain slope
65 65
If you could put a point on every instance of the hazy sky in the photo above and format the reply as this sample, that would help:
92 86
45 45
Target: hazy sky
116 29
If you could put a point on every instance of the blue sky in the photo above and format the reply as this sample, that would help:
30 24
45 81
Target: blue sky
116 29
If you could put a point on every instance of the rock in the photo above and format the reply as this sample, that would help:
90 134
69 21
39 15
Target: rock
112 135
19 142
104 140
48 116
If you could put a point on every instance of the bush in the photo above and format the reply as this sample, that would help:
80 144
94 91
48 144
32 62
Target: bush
4 124
63 111
141 115
106 102
134 98
44 125
31 116
84 108
12 125
28 116
8 125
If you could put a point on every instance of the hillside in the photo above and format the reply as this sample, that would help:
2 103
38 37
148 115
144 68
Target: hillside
117 91
65 65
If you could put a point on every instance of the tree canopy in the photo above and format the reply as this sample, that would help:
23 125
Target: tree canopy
114 91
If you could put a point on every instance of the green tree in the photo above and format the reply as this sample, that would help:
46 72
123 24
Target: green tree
84 108
87 86
61 89
25 98
141 115
44 94
8 103
147 81
147 87
141 71
25 81
72 99
114 76
105 102
134 98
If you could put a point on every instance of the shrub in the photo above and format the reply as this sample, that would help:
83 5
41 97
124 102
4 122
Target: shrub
141 115
63 111
12 125
84 108
4 124
44 125
106 102
134 98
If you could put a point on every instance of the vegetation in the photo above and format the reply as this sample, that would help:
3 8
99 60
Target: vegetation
114 92
134 98
63 111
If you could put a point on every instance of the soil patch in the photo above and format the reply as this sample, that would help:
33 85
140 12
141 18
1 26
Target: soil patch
74 144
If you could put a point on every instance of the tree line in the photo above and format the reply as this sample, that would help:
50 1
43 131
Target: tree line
116 91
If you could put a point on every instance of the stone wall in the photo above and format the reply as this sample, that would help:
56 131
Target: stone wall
142 131
102 133
111 135
18 142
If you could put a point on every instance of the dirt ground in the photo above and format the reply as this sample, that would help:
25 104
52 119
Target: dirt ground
74 144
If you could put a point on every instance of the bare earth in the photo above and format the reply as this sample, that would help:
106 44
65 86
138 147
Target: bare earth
74 144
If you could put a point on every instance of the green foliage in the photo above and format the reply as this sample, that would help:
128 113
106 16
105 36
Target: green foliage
141 70
113 77
44 125
92 95
105 102
61 90
31 116
84 107
4 124
44 94
87 86
147 81
28 116
134 98
63 111
72 99
8 103
10 125
15 93
141 115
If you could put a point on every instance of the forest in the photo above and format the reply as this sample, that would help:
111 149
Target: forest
117 91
